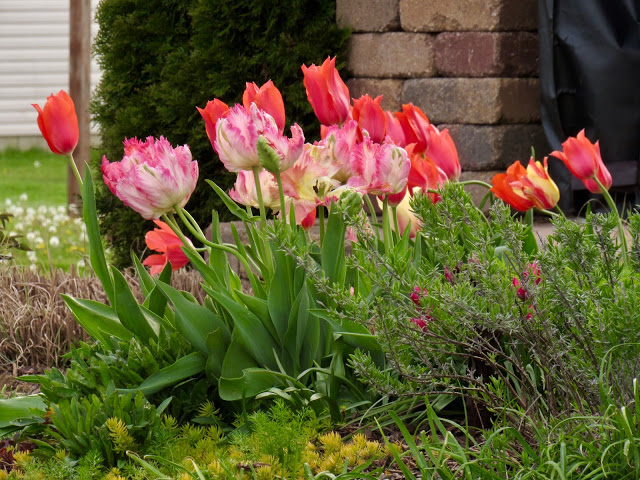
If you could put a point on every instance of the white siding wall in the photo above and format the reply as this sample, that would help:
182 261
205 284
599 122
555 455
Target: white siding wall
34 61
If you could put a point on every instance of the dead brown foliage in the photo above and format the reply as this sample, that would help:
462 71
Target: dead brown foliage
37 328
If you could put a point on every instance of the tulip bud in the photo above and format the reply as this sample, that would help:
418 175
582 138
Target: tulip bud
269 158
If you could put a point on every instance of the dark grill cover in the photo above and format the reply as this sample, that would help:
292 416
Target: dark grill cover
590 78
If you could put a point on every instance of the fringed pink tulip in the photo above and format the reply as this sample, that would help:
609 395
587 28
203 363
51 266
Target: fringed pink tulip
334 150
58 123
244 190
166 242
267 98
153 177
214 110
370 117
238 133
327 93
379 169
443 152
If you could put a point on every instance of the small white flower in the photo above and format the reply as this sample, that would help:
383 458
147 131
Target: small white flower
33 267
42 209
54 241
24 197
36 164
7 202
31 211
80 263
39 240
61 209
18 211
32 256
53 229
19 227
31 236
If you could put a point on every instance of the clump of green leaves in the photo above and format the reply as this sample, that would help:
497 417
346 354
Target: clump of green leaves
474 309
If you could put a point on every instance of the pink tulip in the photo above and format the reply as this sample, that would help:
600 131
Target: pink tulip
370 117
244 190
584 161
379 169
238 133
214 110
335 149
443 152
326 92
153 177
267 98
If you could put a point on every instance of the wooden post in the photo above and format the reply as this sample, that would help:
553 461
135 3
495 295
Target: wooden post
79 87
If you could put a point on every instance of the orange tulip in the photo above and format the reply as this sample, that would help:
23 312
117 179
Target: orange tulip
584 161
267 98
214 110
526 188
58 123
415 126
166 242
326 92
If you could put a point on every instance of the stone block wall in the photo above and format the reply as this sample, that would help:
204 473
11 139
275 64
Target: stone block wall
471 65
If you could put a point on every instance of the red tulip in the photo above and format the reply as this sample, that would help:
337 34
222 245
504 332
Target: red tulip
424 174
503 189
166 242
327 93
214 110
583 159
58 123
394 128
443 152
370 117
266 98
415 126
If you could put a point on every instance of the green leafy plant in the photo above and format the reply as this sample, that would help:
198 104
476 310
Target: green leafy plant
9 241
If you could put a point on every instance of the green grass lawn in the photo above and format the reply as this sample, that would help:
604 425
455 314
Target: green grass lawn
33 187
39 174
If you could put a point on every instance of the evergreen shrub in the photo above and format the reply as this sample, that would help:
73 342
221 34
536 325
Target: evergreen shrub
162 58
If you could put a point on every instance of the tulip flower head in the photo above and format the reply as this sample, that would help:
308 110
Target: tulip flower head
443 152
379 169
153 177
166 242
424 175
237 138
244 190
415 126
58 123
214 110
370 117
326 92
526 188
583 160
267 98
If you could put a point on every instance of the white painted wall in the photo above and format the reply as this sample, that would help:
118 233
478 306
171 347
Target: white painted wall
34 63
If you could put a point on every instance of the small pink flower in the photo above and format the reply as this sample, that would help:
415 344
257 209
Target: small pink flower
417 293
448 275
421 322
153 177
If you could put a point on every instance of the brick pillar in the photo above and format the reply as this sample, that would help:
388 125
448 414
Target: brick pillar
471 65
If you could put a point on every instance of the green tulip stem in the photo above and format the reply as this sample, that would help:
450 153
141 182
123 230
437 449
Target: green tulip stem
386 227
174 226
193 221
547 212
614 208
263 215
74 167
559 210
321 222
283 211
476 182
394 211
372 212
